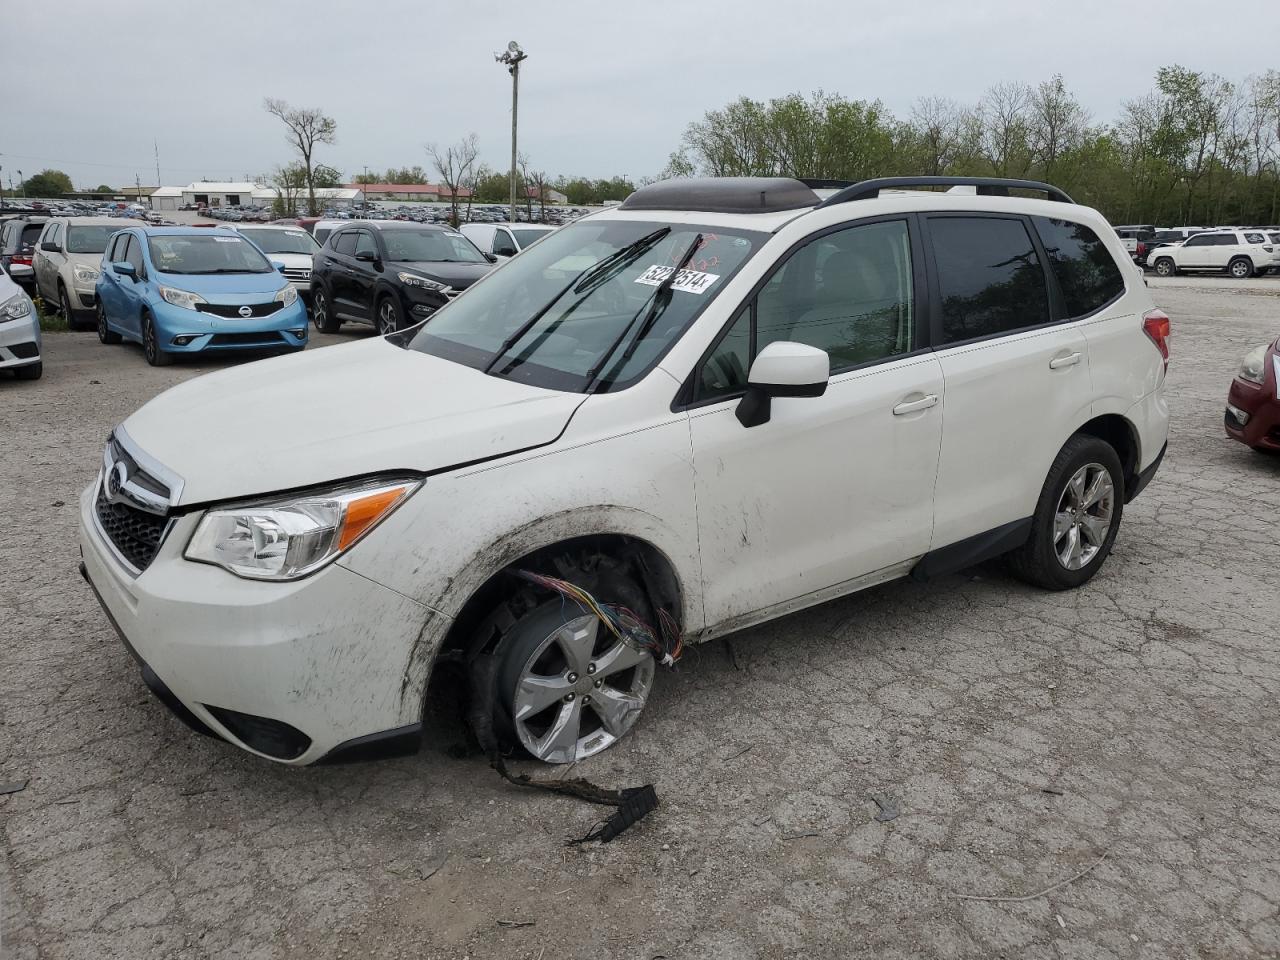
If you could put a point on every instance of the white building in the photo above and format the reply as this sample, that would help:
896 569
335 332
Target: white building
212 194
166 198
327 198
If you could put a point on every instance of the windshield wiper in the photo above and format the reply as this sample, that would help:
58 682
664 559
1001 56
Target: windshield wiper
662 294
577 285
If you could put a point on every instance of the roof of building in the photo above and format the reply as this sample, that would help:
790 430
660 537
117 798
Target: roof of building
167 192
395 187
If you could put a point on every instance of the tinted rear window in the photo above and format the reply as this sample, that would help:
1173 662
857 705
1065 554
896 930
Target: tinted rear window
989 277
1083 266
30 234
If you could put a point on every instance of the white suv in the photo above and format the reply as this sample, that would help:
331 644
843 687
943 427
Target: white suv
717 403
1241 253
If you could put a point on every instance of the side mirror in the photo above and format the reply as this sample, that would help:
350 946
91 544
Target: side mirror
492 258
782 369
125 269
366 256
49 247
278 265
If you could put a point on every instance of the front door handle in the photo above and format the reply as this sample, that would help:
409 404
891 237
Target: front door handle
911 406
1070 360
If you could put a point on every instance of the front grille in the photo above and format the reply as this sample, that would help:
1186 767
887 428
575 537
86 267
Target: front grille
135 533
232 310
268 339
297 273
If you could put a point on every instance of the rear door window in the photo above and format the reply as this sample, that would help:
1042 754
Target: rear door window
1083 266
30 234
990 280
133 254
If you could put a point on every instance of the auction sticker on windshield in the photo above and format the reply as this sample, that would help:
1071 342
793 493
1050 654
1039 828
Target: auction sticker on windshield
687 281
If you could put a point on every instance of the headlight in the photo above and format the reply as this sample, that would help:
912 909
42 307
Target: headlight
85 274
413 280
19 305
287 296
181 298
290 538
1253 366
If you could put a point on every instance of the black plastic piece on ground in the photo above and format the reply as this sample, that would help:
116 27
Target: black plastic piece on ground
972 550
1146 476
400 742
637 803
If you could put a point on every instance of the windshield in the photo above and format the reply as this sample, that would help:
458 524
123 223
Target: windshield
206 254
90 239
587 307
441 246
283 241
526 237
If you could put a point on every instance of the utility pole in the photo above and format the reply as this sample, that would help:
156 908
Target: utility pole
137 182
156 144
513 57
22 183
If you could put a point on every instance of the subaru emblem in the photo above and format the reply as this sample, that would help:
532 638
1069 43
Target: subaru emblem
115 481
246 311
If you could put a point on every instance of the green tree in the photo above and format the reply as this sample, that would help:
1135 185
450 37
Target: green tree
47 183
326 176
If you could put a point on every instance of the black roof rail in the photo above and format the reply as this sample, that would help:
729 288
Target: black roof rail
987 186
819 183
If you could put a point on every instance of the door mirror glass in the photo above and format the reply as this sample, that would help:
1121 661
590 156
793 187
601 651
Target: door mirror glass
278 265
783 369
49 246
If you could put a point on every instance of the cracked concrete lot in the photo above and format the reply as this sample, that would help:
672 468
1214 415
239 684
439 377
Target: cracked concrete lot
1020 735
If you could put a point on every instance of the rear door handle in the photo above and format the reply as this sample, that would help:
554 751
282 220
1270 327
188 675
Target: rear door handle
911 406
1070 360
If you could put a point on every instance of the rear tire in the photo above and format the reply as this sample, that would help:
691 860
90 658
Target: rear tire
151 344
1064 519
32 371
322 311
1241 268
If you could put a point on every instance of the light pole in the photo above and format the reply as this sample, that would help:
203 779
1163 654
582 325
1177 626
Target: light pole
512 58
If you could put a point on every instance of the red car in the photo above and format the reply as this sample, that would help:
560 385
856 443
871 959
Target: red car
1253 405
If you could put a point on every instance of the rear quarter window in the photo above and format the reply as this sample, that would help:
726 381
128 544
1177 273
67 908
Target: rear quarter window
1081 263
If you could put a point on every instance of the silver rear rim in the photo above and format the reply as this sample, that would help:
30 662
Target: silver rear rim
386 318
579 692
319 310
1084 516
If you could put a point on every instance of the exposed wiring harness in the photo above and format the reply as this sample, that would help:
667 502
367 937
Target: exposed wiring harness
666 644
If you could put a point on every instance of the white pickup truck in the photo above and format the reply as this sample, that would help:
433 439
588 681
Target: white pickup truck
1137 240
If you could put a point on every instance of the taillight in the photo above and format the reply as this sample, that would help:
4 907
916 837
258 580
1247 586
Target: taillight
1155 324
1142 248
24 259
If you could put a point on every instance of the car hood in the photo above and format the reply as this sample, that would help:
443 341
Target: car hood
338 412
91 260
226 287
457 275
291 259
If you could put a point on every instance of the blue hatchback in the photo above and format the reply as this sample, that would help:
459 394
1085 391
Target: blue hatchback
187 290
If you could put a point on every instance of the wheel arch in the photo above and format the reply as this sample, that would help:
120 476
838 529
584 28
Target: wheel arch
1122 435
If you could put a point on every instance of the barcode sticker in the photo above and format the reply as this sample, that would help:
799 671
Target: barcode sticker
687 281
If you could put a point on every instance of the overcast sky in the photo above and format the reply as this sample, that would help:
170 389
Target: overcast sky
607 89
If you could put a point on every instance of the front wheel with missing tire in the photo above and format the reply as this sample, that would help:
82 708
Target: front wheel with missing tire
1076 518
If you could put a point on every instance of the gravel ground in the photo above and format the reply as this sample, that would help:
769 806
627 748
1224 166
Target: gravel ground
1020 735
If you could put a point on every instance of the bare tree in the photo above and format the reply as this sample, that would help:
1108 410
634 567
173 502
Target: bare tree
538 181
456 165
939 126
1004 110
306 129
1057 123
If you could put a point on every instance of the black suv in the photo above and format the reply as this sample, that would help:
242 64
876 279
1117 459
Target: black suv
390 274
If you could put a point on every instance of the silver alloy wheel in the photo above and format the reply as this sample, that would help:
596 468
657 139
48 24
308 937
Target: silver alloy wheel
64 304
579 692
1084 515
150 349
102 323
1240 269
319 309
386 318
1164 268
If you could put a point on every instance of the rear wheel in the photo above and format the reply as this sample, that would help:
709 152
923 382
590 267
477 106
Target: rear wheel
1241 268
32 371
151 345
1076 519
322 312
1165 267
105 333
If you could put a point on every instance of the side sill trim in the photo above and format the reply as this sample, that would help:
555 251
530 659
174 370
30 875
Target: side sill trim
972 550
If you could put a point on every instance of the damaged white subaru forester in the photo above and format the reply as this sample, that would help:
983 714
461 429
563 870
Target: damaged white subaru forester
720 402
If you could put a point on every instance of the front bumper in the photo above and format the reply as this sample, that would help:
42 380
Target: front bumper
328 657
83 297
20 341
287 327
1261 405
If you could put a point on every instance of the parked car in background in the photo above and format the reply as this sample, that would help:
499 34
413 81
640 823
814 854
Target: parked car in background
181 290
321 227
504 240
18 238
1238 253
1137 240
1253 402
291 246
718 404
391 274
68 259
19 331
